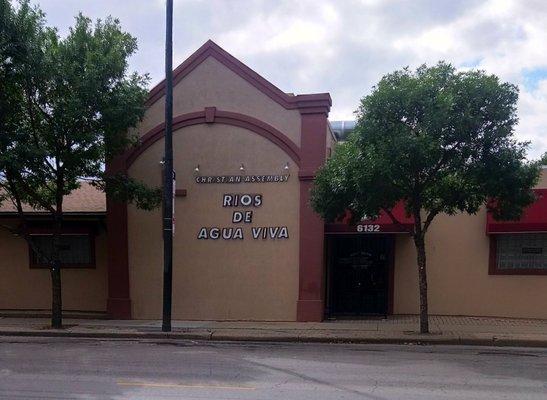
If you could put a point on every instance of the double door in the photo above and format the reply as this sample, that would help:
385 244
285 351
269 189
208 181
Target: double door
358 274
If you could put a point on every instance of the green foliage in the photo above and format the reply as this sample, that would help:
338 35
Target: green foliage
437 139
66 105
123 188
543 159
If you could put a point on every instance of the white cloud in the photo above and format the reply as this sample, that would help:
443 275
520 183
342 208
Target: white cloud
345 46
533 121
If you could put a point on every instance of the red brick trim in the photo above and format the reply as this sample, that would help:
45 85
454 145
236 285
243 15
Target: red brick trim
118 308
311 292
306 103
391 276
516 227
210 114
306 175
118 304
493 263
220 117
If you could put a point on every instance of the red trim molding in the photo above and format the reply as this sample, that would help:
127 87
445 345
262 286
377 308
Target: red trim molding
212 115
344 229
306 103
306 175
391 277
493 268
515 227
118 304
311 288
382 224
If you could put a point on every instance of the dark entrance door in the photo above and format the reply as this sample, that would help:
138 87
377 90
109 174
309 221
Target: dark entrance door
359 274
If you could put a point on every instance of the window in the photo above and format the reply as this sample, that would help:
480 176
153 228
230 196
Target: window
77 250
520 253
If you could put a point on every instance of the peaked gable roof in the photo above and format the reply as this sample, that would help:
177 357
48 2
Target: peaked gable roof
306 103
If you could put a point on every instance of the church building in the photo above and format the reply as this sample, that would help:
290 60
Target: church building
247 244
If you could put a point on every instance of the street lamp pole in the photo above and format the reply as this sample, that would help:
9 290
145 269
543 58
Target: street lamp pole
168 175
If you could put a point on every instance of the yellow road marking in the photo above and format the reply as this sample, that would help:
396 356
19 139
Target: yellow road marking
178 385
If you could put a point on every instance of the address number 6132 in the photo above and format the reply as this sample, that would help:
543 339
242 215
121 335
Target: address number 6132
368 228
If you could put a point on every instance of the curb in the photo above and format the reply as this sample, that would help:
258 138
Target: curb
108 335
220 337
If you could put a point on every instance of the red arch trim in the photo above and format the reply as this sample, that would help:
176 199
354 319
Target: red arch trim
222 117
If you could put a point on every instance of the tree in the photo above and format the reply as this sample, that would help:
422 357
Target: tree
66 105
543 159
440 141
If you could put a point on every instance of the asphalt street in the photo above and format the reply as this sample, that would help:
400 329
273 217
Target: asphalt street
65 368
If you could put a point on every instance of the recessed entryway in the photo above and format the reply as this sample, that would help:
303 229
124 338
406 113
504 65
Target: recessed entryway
359 275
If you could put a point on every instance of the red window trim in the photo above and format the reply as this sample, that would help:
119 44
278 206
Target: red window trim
493 265
80 231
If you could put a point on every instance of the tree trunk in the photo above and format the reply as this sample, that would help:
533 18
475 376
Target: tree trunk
56 298
56 295
419 241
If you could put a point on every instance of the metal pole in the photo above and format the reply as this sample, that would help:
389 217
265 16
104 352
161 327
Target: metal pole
168 173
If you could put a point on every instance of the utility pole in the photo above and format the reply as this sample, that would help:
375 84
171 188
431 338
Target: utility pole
168 176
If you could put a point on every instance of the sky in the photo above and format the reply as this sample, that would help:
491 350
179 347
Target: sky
344 47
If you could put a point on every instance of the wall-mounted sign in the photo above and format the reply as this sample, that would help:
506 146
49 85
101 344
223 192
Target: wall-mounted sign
228 233
241 219
242 179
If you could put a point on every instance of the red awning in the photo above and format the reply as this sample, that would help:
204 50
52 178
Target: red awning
382 224
534 218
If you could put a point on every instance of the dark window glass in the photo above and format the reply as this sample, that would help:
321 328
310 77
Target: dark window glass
75 250
522 251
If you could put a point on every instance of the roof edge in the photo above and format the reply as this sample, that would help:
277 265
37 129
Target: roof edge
47 214
306 103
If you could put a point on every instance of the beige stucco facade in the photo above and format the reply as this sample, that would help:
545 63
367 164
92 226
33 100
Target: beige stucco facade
243 122
230 122
213 84
225 279
245 279
25 288
459 283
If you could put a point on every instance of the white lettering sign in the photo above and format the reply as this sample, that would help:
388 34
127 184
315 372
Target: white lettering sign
243 200
232 179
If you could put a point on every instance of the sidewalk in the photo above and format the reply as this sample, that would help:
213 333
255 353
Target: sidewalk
395 329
